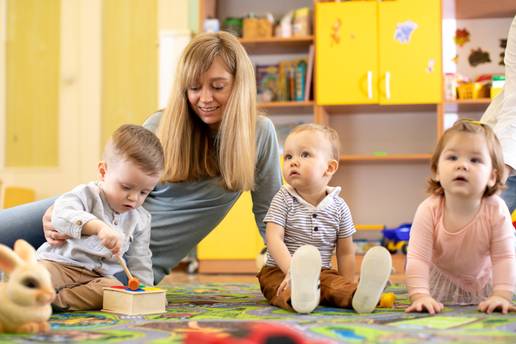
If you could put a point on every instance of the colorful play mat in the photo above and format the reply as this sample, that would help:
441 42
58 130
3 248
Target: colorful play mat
227 309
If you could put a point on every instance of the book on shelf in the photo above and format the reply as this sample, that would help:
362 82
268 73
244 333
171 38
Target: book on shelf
286 81
267 83
309 72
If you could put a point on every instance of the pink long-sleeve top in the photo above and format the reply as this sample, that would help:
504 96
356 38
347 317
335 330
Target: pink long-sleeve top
469 257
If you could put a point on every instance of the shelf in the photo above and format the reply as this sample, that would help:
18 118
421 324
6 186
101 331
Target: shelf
386 109
280 40
277 45
388 157
474 9
269 105
469 101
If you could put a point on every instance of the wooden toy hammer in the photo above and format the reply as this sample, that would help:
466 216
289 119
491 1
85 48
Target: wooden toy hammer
133 282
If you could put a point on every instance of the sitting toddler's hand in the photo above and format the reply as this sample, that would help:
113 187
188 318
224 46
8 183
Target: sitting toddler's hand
285 284
110 238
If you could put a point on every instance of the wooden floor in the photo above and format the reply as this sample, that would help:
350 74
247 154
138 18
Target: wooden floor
180 276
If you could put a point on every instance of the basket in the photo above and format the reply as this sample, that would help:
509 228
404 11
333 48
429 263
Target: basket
473 90
257 28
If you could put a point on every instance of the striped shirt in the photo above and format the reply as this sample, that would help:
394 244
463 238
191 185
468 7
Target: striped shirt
320 226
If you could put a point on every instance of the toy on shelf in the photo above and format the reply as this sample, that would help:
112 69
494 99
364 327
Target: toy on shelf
143 300
26 296
367 236
396 239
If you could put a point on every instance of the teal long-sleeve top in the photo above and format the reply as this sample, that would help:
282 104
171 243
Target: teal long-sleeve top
184 213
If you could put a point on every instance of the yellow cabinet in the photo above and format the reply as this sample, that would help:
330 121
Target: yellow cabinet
235 238
386 52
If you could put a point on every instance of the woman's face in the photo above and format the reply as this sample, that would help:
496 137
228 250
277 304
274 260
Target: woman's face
209 97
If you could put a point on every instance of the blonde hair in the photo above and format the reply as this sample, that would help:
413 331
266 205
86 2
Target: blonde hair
191 152
329 133
493 145
138 145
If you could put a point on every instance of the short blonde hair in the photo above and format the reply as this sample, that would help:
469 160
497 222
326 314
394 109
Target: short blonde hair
329 133
138 145
493 145
191 151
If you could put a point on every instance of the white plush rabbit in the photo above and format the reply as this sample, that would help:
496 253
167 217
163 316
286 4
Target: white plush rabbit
25 298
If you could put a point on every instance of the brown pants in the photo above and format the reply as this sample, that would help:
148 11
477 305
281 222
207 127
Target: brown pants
78 288
335 291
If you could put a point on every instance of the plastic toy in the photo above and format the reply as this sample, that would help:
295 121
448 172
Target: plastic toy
133 283
396 239
143 300
25 298
254 333
387 300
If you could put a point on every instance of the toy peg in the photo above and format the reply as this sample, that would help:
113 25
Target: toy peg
133 282
387 300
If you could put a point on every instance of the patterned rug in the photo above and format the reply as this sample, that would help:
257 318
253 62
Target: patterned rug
226 309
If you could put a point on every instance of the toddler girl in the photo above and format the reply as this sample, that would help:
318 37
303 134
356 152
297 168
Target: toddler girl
461 243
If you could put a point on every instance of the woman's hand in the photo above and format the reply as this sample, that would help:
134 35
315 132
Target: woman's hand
52 236
495 302
422 302
285 284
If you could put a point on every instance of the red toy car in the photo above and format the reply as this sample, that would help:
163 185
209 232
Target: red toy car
251 333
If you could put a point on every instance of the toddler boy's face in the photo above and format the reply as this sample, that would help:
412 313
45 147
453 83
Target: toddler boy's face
306 160
125 185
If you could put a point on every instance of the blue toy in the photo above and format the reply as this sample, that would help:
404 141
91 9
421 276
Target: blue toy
396 239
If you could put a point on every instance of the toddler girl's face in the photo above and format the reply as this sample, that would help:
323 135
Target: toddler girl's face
125 185
465 166
209 97
306 160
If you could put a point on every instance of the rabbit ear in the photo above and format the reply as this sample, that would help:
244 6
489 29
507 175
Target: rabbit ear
8 259
25 250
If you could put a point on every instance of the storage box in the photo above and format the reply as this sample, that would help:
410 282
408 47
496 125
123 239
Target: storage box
473 90
497 84
257 28
122 300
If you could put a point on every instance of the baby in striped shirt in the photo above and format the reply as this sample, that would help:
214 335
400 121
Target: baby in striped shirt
307 220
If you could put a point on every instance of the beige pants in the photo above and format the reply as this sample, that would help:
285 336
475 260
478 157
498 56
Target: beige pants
335 291
78 288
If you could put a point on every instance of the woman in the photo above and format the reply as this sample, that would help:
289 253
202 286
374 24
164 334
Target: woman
501 116
216 147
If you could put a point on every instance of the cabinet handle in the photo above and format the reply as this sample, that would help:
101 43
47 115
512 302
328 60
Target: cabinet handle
370 84
388 85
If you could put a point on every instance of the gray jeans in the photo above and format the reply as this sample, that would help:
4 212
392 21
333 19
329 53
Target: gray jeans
509 194
24 222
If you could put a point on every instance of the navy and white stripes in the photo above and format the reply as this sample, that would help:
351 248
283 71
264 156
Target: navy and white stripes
320 226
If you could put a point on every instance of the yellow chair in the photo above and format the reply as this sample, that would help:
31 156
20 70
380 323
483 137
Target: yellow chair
15 195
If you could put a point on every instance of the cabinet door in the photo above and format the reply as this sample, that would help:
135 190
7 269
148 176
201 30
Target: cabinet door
410 51
346 53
